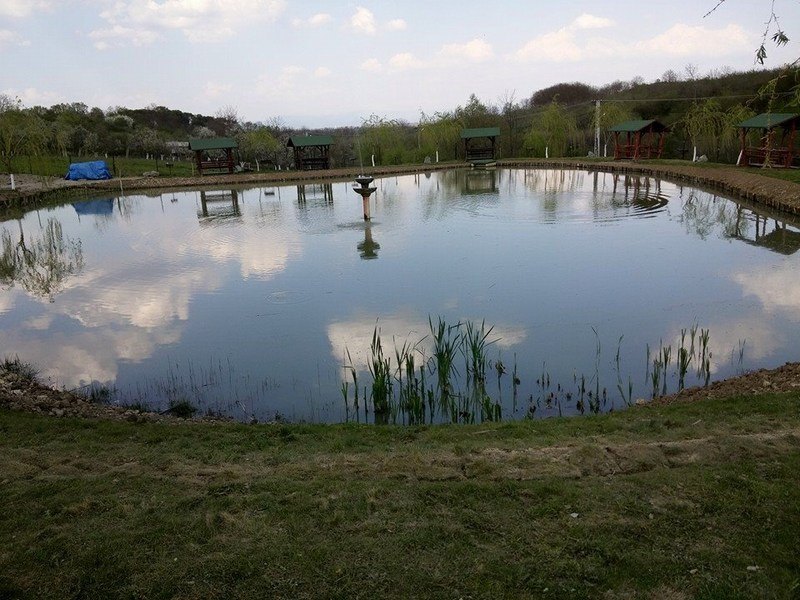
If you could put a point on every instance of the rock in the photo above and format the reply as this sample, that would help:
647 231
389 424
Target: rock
57 412
640 402
150 174
753 568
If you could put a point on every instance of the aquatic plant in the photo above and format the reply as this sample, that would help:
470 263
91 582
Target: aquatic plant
25 370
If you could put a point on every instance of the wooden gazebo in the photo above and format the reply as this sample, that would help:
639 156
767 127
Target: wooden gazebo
476 148
643 139
776 142
214 154
311 152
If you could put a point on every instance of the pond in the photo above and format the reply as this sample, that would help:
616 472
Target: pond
557 292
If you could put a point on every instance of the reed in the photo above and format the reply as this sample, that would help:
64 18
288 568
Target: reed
380 369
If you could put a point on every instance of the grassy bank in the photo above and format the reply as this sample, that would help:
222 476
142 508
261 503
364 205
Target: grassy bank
686 500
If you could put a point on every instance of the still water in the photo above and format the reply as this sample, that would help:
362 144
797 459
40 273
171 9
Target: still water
263 300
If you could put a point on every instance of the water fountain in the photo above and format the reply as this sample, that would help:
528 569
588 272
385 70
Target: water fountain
365 191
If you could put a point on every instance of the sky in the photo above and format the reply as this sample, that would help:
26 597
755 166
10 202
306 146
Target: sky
322 63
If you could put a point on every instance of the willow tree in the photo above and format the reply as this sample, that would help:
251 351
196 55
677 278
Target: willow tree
439 133
385 139
729 138
704 123
553 132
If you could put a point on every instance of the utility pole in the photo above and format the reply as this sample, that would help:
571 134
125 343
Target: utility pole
597 127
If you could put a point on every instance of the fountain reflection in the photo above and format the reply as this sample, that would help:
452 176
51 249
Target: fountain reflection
368 249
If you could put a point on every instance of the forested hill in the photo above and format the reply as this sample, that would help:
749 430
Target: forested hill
700 110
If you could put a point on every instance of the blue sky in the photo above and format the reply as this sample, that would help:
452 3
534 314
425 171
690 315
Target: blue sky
321 63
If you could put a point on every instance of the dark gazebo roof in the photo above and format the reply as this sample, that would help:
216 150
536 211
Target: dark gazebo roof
301 141
218 143
768 120
480 132
639 125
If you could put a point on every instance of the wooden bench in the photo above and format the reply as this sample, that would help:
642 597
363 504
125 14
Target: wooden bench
778 157
216 165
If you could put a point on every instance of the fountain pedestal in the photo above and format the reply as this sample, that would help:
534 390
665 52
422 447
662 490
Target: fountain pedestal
365 191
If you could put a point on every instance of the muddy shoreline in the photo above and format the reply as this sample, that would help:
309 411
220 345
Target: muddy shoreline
19 393
744 184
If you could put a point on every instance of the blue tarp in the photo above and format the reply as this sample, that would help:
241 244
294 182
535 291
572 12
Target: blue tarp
96 169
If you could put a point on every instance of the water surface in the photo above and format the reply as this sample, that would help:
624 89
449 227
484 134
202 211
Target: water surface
247 300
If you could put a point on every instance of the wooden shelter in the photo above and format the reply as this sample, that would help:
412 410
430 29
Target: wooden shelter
214 154
477 150
776 142
311 152
643 139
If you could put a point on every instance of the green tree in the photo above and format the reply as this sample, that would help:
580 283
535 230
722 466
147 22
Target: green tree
258 144
476 114
21 133
386 139
704 123
552 128
440 132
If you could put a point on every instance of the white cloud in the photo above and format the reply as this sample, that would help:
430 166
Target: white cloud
405 61
199 20
22 8
568 44
214 89
322 72
11 38
372 65
476 50
396 25
292 71
32 96
587 21
317 20
557 46
118 35
363 21
687 40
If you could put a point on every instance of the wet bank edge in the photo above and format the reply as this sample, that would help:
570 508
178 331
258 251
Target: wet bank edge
737 183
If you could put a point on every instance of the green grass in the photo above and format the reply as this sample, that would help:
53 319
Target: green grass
792 175
115 509
120 166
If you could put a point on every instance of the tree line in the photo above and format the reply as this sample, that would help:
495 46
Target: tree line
702 112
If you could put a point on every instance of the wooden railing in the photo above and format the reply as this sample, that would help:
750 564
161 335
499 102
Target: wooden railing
778 157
